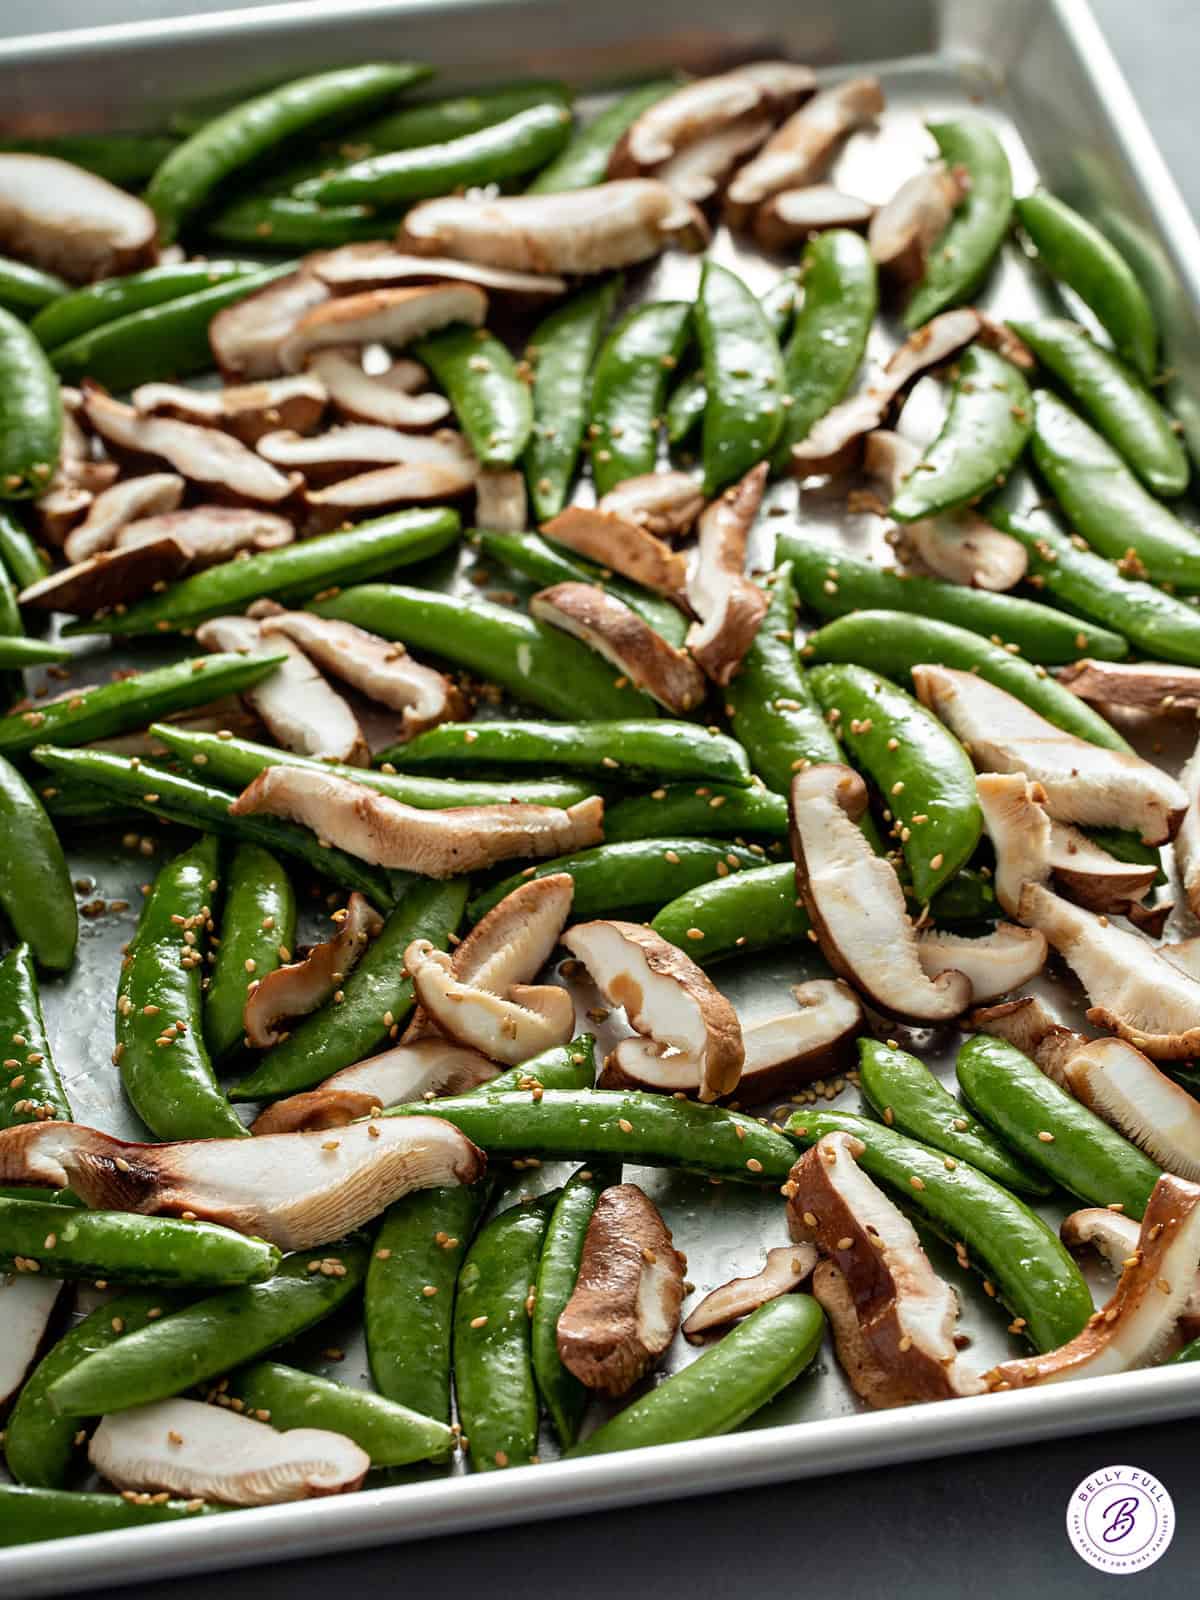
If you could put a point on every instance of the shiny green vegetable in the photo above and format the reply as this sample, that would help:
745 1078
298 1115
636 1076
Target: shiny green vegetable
281 222
19 555
434 121
959 260
24 290
569 1066
28 1516
30 1089
78 311
392 1435
489 396
690 809
31 414
743 377
258 924
629 389
126 159
755 910
689 397
585 159
35 882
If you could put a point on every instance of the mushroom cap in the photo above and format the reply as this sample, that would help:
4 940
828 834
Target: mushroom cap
624 547
729 605
510 1029
784 1269
903 231
374 397
109 578
692 111
115 507
793 215
1087 874
996 964
800 152
299 987
797 1046
1156 686
316 1109
247 337
664 503
616 632
211 534
373 265
1113 1236
70 221
246 410
394 317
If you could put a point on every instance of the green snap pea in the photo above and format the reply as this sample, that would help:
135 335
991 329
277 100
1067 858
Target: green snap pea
688 809
28 1516
293 571
754 910
923 773
11 624
258 923
1190 1352
987 425
689 397
377 996
1016 1251
1072 249
246 132
281 222
31 413
490 399
584 161
538 665
663 747
904 1092
35 882
1105 503
20 557
638 874
1114 398
561 352
629 388
434 121
78 311
210 1337
25 290
832 583
743 378
829 335
38 1095
1022 1105
739 1375
392 1435
126 159
959 260
568 1066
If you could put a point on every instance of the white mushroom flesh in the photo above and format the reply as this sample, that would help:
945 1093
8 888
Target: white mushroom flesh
730 605
996 964
794 215
501 503
511 1030
374 397
430 1066
341 452
247 337
903 231
624 547
410 483
785 1268
699 170
393 317
801 151
27 1302
1187 840
298 987
70 221
114 508
108 579
1154 686
613 630
211 534
694 110
355 267
246 410
664 503
1124 1087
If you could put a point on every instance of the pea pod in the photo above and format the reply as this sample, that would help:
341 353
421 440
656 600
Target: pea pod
281 222
536 664
690 809
210 1337
35 883
1018 1253
689 397
561 351
568 1066
490 399
628 390
743 377
958 261
126 159
1072 249
585 159
11 624
452 116
20 556
1050 1129
739 1375
1190 1352
31 416
30 1089
832 582
258 923
755 910
28 1516
377 996
24 290
78 311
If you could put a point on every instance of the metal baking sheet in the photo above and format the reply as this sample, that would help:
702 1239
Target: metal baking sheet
1039 70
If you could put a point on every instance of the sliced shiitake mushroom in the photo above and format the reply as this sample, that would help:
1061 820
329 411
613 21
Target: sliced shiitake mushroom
624 547
246 338
616 632
413 482
246 410
1124 1087
315 1110
387 398
393 317
996 963
111 578
27 1304
1027 1024
664 503
730 605
299 987
421 1070
794 215
113 508
73 222
1115 1238
700 170
211 534
376 265
784 1269
356 447
903 231
501 502
1187 840
511 1029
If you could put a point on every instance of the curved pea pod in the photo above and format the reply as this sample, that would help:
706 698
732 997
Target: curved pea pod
1050 1129
697 809
35 882
17 653
78 311
638 874
959 260
211 1336
27 1516
1010 1244
629 388
567 1066
432 121
282 222
25 290
30 1089
743 377
585 159
20 556
732 1380
31 416
490 399
753 910
688 399
258 923
1072 249
126 159
377 996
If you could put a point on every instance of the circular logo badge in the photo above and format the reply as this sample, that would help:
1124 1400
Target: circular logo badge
1120 1519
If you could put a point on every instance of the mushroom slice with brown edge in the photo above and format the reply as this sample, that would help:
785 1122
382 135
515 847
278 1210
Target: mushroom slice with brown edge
854 900
1087 874
730 605
904 1315
940 339
664 503
996 964
375 397
111 578
903 231
246 410
185 1447
63 506
1155 686
1136 1327
377 265
599 229
436 844
1027 1024
27 1303
794 215
301 986
340 453
114 508
302 711
500 500
72 222
615 631
699 171
512 1029
393 317
378 668
1016 821
316 1109
1115 1239
693 111
834 443
409 483
1187 840
1084 783
427 1067
247 337
666 997
295 1189
624 547
784 1269
211 534
624 1309
1124 1087
638 1063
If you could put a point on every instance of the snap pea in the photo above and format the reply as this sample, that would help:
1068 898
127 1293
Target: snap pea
1190 1352
959 260
561 351
537 664
1115 400
490 399
108 709
246 132
293 571
895 642
1016 1251
743 377
210 1337
584 161
31 415
281 222
392 1435
923 773
451 117
987 425
196 805
78 311
1072 249
1050 1129
638 874
377 996
904 1092
744 1370
258 922
126 159
31 1089
688 398
567 1066
35 882
754 910
11 624
663 747
832 582
20 556
1105 503
687 809
829 335
629 387
28 1516
24 290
